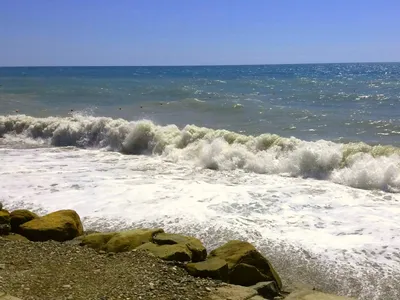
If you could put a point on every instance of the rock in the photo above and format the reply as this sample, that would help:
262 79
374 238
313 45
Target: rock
130 239
177 252
246 275
199 252
232 292
267 289
19 217
243 257
314 295
215 268
5 229
96 241
4 217
15 237
1 206
62 225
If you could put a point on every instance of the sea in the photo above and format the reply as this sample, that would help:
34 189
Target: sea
303 161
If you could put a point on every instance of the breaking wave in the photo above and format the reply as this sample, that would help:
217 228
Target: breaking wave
356 164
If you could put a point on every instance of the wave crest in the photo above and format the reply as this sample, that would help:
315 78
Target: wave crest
356 164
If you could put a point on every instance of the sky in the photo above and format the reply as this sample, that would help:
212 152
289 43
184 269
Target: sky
197 32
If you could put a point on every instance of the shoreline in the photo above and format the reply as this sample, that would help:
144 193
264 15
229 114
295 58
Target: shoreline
234 265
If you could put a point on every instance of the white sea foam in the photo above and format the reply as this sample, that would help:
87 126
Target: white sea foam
334 237
355 165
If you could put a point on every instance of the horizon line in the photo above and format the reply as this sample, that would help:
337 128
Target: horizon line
198 65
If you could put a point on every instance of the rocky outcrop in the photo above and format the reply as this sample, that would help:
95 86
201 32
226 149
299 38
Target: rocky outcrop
176 252
5 227
4 217
97 241
130 239
199 252
215 268
19 217
62 225
246 265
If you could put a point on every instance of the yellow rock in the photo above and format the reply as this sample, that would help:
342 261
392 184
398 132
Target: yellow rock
215 268
19 217
246 265
199 252
62 225
96 241
4 217
176 252
130 239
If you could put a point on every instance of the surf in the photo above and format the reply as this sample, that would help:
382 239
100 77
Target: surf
356 164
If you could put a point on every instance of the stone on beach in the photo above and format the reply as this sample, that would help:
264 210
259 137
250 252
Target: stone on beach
19 217
176 252
130 239
4 217
199 252
246 265
215 268
62 225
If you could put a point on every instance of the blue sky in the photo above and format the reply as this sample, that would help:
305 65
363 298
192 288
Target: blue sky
197 32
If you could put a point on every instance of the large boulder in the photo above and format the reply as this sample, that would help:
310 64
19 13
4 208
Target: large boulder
62 225
176 252
246 265
199 252
130 239
97 241
19 217
215 268
4 217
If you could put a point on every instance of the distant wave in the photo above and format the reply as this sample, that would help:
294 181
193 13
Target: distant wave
356 164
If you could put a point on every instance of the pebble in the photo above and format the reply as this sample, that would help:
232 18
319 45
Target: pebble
66 286
2 266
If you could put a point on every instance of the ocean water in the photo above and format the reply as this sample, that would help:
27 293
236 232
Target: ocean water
301 160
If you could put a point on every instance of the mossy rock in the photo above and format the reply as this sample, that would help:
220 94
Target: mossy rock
19 217
16 237
246 275
215 268
62 225
176 252
96 241
199 252
5 229
130 239
4 217
239 252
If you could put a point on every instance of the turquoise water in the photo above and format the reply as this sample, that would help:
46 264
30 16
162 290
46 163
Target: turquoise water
338 102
